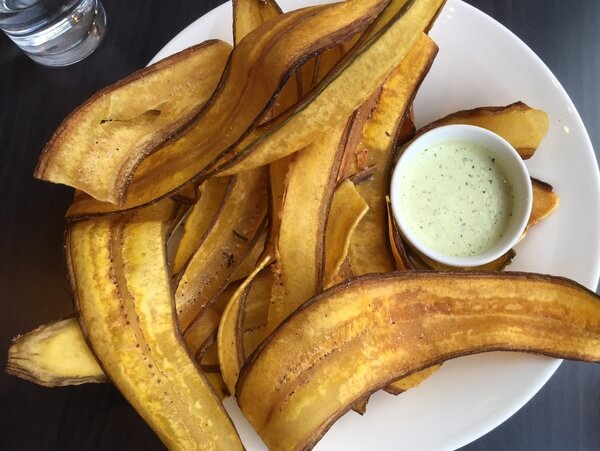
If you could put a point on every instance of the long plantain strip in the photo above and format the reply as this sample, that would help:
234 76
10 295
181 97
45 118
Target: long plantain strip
250 14
224 246
396 244
357 337
369 249
230 344
256 71
338 95
54 355
347 209
545 201
117 127
299 269
203 330
522 126
120 279
69 360
198 221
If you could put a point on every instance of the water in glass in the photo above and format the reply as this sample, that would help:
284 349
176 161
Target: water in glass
54 32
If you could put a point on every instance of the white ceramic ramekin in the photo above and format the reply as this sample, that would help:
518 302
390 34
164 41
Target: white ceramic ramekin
510 162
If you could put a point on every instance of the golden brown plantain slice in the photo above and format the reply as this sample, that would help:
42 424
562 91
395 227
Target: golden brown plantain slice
230 343
257 69
545 201
278 171
54 355
216 382
230 237
117 127
359 336
250 14
522 126
256 307
198 221
351 82
121 282
203 331
187 196
210 359
347 210
252 258
369 248
299 269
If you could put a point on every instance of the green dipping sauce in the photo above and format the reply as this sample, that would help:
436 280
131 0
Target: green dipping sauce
456 198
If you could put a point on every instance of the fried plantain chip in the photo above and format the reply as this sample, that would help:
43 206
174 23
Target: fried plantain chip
522 126
299 269
54 355
359 336
202 333
200 218
257 69
545 201
230 237
369 248
230 342
120 278
117 127
396 244
351 82
256 307
250 14
346 211
216 382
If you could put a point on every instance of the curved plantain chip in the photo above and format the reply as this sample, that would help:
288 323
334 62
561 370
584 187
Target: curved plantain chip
54 355
351 82
226 243
230 343
101 141
200 218
522 126
359 336
545 201
347 210
250 14
299 269
369 248
257 69
120 278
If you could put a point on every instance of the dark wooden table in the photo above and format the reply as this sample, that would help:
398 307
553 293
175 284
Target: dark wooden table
564 415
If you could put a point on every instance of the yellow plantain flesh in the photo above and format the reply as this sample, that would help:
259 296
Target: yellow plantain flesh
361 335
522 126
121 283
117 127
54 355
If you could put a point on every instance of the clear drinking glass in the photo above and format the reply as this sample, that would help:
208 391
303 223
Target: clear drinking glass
54 32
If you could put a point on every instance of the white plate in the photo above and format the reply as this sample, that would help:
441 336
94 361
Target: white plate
480 63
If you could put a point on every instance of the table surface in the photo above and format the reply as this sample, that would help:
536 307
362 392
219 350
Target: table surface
565 414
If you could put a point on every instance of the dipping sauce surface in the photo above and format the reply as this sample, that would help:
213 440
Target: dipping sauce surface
456 198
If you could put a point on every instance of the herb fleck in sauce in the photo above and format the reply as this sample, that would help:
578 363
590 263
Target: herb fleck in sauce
456 198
